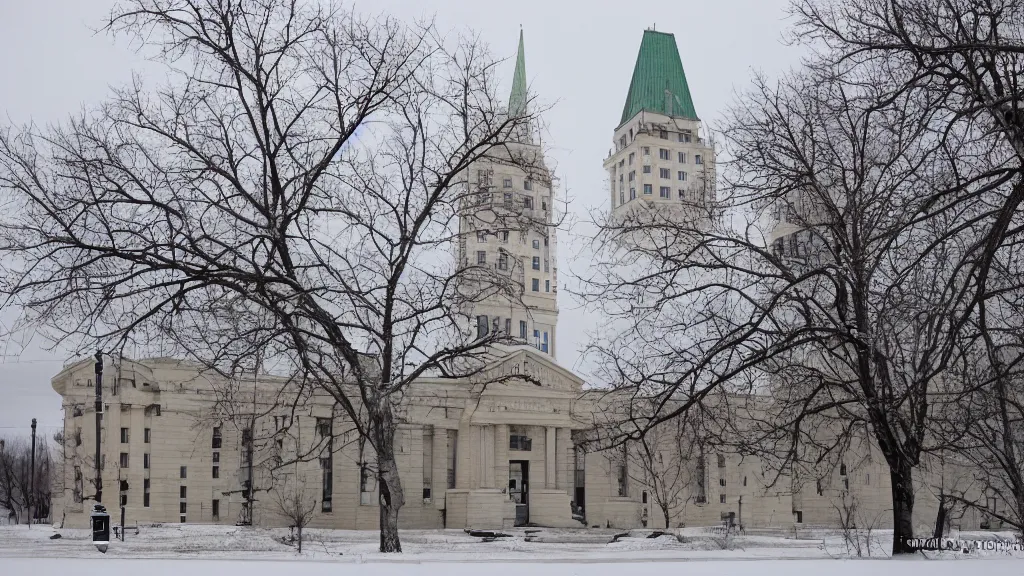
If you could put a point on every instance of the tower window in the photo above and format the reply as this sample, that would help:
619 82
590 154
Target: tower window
663 153
697 159
481 257
536 284
648 189
507 183
536 262
647 151
481 326
536 244
681 176
522 329
665 192
681 157
632 175
631 156
664 173
632 193
647 169
527 184
663 134
547 285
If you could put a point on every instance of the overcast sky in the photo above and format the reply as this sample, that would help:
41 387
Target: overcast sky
579 59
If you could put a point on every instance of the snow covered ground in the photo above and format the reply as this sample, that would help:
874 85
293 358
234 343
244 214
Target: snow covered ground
200 550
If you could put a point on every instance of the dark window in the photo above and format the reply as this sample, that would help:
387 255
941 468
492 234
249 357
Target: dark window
481 326
527 184
536 262
183 472
632 193
522 329
665 192
721 460
246 436
842 469
647 169
145 500
664 136
721 498
216 472
744 480
323 427
507 182
643 498
502 261
721 481
664 173
648 189
124 435
527 202
547 285
124 500
697 159
216 509
508 326
481 257
701 496
145 461
663 153
124 460
817 487
536 285
216 437
146 435
216 457
327 484
182 491
182 507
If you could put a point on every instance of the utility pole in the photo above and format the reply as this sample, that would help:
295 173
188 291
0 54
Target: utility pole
32 475
99 424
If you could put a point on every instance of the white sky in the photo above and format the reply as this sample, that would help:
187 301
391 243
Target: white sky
579 59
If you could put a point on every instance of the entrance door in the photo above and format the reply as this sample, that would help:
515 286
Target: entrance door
519 489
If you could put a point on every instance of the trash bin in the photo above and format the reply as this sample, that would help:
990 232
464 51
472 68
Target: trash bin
100 527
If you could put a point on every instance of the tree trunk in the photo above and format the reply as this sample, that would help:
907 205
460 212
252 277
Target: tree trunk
940 518
388 482
901 475
664 510
300 538
391 500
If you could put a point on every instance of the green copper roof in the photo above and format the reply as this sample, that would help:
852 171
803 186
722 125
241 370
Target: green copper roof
659 83
517 99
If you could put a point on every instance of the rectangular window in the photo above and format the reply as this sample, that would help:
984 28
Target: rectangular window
522 329
663 134
519 439
216 457
681 157
428 463
527 184
544 345
182 507
663 154
508 326
621 475
536 285
124 435
664 173
146 435
507 182
216 472
697 159
495 325
682 194
648 189
182 492
681 176
453 450
622 197
536 262
145 493
721 498
527 202
326 484
145 461
216 510
508 199
647 151
481 257
684 136
184 472
217 440
502 261
701 496
632 193
665 192
647 169
124 460
547 285
631 155
481 236
366 485
504 235
721 460
632 175
481 326
536 244
721 481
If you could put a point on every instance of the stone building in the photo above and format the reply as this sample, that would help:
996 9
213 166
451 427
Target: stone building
184 444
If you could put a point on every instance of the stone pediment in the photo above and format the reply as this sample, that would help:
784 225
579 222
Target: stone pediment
527 367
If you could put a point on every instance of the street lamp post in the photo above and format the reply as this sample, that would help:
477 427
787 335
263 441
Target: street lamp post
32 475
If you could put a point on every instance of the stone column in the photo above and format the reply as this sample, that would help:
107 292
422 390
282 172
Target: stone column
464 447
564 460
501 456
549 457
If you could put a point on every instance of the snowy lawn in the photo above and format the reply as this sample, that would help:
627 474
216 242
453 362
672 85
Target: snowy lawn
127 567
198 550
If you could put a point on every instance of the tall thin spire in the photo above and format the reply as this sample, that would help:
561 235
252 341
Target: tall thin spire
517 99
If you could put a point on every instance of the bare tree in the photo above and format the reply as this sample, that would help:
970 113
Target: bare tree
290 195
833 283
21 492
294 502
